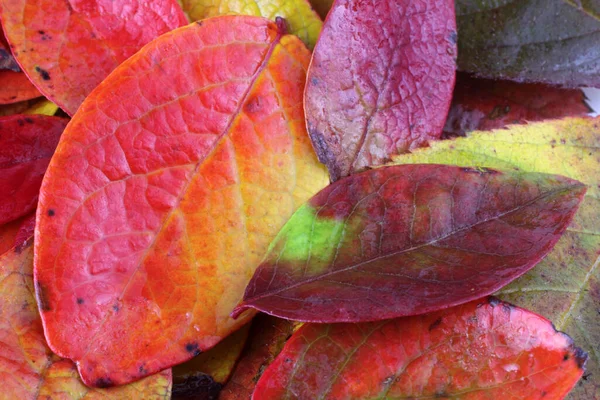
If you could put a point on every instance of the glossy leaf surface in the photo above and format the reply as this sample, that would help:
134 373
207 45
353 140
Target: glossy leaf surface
302 20
552 41
28 369
267 338
156 212
26 146
484 104
410 239
565 286
481 350
68 47
380 80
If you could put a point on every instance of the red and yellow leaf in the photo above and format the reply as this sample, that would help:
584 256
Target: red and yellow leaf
68 47
410 239
28 369
26 146
481 350
380 80
154 213
484 104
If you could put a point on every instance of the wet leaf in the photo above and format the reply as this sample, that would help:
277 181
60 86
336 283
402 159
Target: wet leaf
267 338
485 349
302 20
484 104
156 212
26 146
67 48
410 239
552 41
28 369
380 80
565 286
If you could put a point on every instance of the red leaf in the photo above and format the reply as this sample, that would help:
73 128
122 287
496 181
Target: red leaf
407 240
27 143
380 81
484 104
14 85
481 350
16 232
68 47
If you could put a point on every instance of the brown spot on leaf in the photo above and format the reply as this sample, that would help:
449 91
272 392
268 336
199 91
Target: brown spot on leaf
193 348
43 73
253 105
103 383
41 294
51 213
435 324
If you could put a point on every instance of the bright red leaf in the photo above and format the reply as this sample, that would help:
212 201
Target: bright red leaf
154 213
380 80
27 143
68 47
14 85
410 239
482 350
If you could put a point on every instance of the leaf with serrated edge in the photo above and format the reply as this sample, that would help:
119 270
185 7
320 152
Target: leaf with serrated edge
410 239
482 350
154 213
68 47
28 369
380 80
302 20
565 286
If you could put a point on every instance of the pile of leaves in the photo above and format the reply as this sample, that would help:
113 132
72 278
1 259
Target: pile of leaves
171 168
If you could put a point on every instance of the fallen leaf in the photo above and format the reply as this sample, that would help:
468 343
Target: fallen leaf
485 349
16 232
28 369
565 286
380 80
268 335
154 213
485 104
551 41
410 239
7 61
203 376
68 47
14 85
26 146
302 20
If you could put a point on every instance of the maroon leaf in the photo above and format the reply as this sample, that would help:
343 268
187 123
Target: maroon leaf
380 81
410 239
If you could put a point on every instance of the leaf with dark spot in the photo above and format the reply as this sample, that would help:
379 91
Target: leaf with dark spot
479 351
380 81
410 239
14 85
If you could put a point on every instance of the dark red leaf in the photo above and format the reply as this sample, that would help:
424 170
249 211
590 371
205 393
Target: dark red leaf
483 350
27 143
485 104
16 232
410 239
380 81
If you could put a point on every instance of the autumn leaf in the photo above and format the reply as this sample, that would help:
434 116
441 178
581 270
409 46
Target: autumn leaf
67 48
551 41
485 349
28 369
26 145
302 20
485 104
565 286
380 80
154 213
410 239
14 233
203 376
268 335
14 85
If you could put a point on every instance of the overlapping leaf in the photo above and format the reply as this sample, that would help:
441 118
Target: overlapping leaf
28 369
67 48
552 41
16 232
565 286
26 146
380 81
484 104
301 18
481 350
410 239
154 213
14 85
